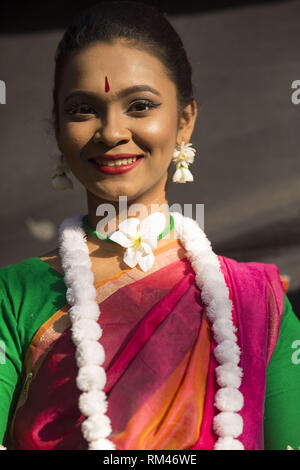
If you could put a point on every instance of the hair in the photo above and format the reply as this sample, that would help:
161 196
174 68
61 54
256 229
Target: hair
139 24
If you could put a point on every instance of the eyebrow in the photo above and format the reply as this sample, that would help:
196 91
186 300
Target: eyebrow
120 94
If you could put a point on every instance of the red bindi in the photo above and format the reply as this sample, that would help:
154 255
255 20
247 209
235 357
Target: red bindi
106 85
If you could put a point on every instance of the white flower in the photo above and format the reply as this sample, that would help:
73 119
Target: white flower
61 182
139 239
184 153
182 173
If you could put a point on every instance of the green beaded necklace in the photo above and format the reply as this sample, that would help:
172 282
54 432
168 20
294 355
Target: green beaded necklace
87 228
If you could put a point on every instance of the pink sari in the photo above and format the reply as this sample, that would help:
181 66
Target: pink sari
159 360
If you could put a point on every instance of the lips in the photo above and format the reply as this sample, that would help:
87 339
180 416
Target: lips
114 157
115 170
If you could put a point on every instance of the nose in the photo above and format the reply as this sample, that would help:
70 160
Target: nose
113 130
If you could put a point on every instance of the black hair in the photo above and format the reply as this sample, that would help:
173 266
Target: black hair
140 24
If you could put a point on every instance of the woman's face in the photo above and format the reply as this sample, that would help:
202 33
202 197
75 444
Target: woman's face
110 118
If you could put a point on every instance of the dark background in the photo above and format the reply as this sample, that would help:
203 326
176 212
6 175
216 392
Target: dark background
34 15
245 56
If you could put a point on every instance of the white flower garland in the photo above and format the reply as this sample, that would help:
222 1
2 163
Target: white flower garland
86 332
227 424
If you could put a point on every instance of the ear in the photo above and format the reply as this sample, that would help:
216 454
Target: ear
186 122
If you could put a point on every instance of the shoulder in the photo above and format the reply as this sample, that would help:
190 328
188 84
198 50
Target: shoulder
14 281
253 267
253 272
255 280
12 274
31 291
259 298
53 259
24 271
26 281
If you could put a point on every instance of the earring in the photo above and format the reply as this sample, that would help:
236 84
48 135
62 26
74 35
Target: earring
183 155
60 180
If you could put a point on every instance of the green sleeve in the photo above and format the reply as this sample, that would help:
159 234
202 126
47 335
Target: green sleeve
30 293
11 362
282 400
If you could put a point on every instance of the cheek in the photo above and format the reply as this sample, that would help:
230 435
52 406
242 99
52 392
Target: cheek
74 136
160 134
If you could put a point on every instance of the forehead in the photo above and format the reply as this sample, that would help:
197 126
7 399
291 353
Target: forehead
122 64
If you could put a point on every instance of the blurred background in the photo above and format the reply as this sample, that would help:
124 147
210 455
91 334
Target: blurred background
245 56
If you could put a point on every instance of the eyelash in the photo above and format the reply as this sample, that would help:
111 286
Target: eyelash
73 108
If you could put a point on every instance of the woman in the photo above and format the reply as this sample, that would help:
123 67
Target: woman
147 340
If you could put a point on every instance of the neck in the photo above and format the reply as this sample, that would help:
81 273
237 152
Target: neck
114 212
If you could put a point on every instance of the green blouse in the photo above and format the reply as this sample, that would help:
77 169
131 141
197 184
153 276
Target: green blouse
26 302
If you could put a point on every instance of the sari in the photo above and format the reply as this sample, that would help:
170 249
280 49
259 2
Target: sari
159 362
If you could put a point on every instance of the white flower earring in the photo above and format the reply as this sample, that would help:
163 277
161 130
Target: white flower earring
183 155
60 180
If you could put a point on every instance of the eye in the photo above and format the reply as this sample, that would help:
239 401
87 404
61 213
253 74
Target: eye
141 105
80 109
138 106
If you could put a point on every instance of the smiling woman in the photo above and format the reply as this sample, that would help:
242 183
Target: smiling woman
138 116
183 349
140 120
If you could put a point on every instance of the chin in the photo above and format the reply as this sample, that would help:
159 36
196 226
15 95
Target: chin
101 192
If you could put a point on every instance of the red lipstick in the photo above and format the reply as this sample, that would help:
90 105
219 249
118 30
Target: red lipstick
115 170
114 157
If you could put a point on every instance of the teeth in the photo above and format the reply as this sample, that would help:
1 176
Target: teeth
120 162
